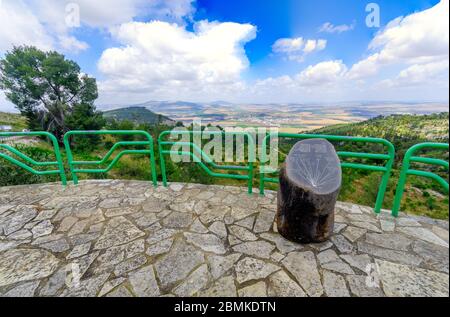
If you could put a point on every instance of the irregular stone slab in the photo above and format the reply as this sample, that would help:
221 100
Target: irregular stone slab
247 222
330 260
23 234
219 229
153 206
264 221
160 235
359 261
361 218
303 266
16 220
160 247
121 291
110 285
423 234
24 290
353 233
242 233
178 220
21 265
220 265
206 242
121 211
177 264
342 244
393 241
110 203
84 238
130 265
239 213
56 246
215 213
144 282
281 285
55 283
360 287
367 225
42 229
5 208
334 285
253 269
223 287
283 245
146 220
67 223
405 281
79 250
435 257
118 231
392 255
8 245
198 227
441 233
260 249
387 225
194 282
78 267
255 290
407 222
338 227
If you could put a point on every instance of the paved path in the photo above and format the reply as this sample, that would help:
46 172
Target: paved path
118 238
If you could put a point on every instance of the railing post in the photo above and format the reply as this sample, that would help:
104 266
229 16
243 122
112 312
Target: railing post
162 162
405 171
385 179
70 157
56 148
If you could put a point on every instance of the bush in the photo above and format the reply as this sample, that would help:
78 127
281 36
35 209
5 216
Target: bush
11 174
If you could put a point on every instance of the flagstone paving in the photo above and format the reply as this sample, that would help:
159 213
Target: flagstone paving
126 238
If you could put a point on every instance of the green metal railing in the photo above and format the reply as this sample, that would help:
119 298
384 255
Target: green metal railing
148 142
193 149
58 163
406 170
386 169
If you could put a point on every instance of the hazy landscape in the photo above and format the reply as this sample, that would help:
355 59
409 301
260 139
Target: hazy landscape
287 117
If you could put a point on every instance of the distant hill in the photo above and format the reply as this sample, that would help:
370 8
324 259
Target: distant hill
402 130
15 120
138 115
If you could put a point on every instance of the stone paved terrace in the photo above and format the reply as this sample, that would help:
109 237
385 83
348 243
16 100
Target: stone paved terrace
120 238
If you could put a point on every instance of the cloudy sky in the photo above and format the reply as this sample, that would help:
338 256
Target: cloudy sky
243 50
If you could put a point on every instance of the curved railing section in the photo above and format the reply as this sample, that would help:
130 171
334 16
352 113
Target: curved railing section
74 164
388 157
200 157
406 170
56 151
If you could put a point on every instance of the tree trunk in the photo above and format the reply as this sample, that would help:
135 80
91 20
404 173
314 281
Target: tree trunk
310 181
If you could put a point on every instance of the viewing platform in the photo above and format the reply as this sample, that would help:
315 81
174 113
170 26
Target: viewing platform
128 238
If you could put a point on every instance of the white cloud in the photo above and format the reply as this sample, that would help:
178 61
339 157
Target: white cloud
18 25
420 74
297 48
421 37
331 28
44 23
168 61
322 73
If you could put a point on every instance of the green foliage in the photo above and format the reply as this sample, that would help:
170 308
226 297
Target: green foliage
17 122
137 115
45 87
85 117
13 175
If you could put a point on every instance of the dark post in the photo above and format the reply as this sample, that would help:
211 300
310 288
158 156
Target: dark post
310 181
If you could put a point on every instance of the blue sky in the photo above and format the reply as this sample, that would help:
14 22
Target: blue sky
242 51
